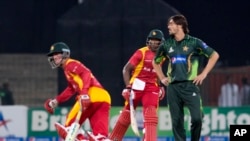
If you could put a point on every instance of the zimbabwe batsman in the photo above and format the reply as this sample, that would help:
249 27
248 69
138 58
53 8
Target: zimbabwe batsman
95 100
139 76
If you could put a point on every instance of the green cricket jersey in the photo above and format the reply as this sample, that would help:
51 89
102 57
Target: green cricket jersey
183 57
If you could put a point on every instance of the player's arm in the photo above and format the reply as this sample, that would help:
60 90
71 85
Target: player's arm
66 94
211 63
213 58
157 63
51 104
127 72
130 66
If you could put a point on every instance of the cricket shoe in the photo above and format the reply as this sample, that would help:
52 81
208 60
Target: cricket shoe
80 136
98 137
63 131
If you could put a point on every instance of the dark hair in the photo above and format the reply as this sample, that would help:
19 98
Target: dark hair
180 20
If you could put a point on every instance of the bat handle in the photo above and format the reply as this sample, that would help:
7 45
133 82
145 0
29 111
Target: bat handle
80 104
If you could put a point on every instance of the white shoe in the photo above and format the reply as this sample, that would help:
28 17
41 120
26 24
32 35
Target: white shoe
99 137
63 131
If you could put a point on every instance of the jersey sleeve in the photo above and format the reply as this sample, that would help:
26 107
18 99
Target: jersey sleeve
160 55
65 95
204 49
135 58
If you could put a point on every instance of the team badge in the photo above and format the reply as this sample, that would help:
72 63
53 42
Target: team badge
52 48
185 48
170 50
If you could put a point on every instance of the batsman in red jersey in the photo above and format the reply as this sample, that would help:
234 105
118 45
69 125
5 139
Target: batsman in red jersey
95 100
139 76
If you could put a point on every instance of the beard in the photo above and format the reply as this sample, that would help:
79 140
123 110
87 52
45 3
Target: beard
170 33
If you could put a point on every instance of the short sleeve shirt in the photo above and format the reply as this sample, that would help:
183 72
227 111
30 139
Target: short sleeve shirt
183 57
142 61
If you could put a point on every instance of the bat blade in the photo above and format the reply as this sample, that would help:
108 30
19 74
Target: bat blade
72 132
134 125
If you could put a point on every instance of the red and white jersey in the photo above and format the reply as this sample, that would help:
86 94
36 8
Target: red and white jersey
79 78
142 61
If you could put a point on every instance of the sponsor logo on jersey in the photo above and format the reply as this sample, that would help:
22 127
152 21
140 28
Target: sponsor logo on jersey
178 59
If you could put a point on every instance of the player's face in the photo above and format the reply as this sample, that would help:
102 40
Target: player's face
172 27
153 44
57 57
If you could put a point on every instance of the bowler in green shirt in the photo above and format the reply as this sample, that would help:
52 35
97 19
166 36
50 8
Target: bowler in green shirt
183 53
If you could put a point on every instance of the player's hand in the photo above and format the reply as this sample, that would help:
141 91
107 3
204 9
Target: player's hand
126 92
85 101
164 81
162 93
199 79
50 105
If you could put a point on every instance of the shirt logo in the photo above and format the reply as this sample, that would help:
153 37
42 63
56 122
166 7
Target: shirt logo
194 94
170 50
178 59
185 48
52 48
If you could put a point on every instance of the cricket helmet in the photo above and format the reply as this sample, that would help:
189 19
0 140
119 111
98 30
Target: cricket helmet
61 48
156 34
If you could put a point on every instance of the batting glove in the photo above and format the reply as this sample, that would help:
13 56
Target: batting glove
126 92
50 105
85 101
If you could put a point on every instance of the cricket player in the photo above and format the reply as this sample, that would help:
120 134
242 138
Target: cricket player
183 53
95 100
139 76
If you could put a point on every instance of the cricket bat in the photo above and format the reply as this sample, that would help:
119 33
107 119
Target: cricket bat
134 125
74 126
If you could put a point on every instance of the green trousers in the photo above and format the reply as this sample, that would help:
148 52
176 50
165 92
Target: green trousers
180 94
